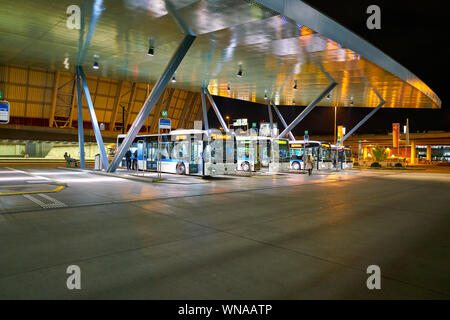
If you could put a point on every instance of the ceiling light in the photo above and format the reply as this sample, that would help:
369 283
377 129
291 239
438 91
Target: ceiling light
239 74
328 96
151 48
265 96
295 85
173 79
293 102
95 65
228 88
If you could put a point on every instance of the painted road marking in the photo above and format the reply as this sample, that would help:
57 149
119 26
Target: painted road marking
53 204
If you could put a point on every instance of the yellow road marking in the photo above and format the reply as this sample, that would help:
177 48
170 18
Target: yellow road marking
59 188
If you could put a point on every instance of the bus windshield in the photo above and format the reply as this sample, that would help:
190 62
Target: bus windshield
283 150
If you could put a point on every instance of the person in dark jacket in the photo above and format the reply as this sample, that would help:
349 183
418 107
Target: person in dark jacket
128 159
134 161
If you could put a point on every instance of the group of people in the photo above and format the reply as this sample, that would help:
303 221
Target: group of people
131 160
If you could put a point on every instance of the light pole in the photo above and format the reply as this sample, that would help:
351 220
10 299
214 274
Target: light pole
335 112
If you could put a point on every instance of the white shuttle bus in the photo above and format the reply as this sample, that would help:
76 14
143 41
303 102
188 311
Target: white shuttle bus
256 153
344 157
193 152
320 151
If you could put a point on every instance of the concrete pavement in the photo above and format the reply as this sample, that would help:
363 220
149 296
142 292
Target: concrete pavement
290 237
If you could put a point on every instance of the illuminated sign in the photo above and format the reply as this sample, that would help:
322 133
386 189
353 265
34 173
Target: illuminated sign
164 124
4 112
296 145
395 134
281 141
220 136
327 145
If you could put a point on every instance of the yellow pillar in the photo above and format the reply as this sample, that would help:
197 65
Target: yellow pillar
365 153
429 153
413 153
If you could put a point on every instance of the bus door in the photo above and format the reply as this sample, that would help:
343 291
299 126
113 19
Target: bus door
196 157
141 155
152 155
264 153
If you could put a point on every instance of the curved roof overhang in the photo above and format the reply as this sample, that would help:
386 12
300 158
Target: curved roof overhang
274 42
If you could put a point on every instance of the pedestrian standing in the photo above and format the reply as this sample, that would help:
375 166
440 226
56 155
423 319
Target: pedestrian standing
128 159
309 164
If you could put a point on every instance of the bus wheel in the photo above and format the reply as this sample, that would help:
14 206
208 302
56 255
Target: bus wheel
181 169
296 165
245 166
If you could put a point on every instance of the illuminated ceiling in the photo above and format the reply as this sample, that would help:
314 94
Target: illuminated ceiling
272 49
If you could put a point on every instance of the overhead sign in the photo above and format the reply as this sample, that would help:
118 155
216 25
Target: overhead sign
253 124
164 123
198 124
340 132
395 134
407 132
306 138
240 122
4 112
164 113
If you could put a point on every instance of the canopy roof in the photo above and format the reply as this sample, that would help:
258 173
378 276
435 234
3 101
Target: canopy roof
273 42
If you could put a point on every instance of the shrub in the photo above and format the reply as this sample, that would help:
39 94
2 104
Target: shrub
375 165
379 153
398 165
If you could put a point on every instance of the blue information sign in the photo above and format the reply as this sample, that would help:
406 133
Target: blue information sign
4 112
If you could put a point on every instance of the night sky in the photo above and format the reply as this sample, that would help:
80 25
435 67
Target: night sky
413 33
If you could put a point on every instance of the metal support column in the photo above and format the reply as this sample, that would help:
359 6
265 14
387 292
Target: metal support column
291 136
95 127
367 117
269 109
205 113
152 99
361 123
80 121
216 110
312 105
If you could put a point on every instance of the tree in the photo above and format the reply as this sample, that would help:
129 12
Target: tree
379 153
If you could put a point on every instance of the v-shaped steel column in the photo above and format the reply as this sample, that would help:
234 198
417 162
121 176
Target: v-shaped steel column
80 119
152 99
95 127
367 117
205 113
311 106
216 110
270 117
291 136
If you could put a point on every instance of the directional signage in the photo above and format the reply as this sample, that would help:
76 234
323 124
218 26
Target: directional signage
164 123
4 112
306 138
164 113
